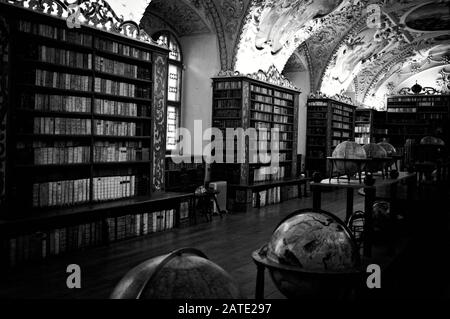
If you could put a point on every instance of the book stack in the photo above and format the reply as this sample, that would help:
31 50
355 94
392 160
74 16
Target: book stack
114 187
61 193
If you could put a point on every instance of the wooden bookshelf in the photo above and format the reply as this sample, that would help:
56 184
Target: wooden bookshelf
329 123
185 176
364 126
243 102
84 132
416 116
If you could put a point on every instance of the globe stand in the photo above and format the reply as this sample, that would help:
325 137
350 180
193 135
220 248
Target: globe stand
345 280
334 163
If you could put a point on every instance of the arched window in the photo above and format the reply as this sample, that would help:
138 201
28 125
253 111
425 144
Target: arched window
173 87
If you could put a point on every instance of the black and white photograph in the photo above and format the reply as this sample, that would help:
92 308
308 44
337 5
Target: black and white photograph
225 157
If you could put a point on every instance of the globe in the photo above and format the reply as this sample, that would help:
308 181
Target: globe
348 151
375 151
430 140
390 150
183 274
312 254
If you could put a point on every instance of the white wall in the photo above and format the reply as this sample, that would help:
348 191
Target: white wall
201 60
302 81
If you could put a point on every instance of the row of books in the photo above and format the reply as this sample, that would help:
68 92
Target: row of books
136 225
317 115
122 49
112 128
283 95
63 81
433 98
362 129
282 119
61 34
432 116
260 89
363 140
61 193
227 123
315 122
121 88
261 116
62 155
64 57
316 130
283 127
282 110
107 107
316 103
104 152
343 108
341 118
282 103
267 197
341 125
228 85
262 107
264 174
227 104
316 141
262 125
123 69
343 113
114 187
41 245
227 113
341 134
262 98
57 103
61 126
402 109
229 94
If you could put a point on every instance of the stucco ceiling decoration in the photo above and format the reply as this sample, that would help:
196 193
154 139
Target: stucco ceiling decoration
180 16
273 29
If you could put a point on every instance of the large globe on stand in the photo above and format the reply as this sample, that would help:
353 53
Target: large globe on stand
390 150
375 152
312 254
183 274
348 151
430 140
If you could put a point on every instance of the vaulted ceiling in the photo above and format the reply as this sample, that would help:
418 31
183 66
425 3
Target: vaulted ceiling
366 48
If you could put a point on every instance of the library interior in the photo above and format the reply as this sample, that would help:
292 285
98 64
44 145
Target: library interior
224 149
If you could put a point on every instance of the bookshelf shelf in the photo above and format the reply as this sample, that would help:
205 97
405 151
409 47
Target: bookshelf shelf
262 106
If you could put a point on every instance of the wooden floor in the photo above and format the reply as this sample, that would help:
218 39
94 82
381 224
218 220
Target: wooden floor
228 242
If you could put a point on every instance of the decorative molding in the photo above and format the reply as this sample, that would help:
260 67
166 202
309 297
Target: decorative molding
272 76
338 97
159 121
93 13
4 69
232 12
423 91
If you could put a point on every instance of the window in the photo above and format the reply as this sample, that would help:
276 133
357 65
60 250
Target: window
173 87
